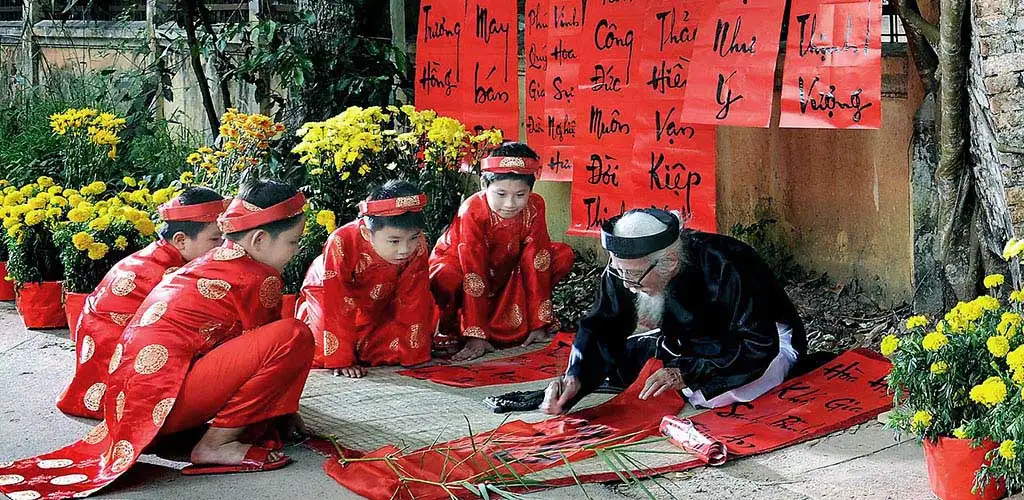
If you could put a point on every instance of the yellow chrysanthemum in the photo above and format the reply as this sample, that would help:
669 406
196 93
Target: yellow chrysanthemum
1017 296
35 217
129 181
15 230
990 392
187 177
986 303
934 341
44 182
998 345
922 419
1015 358
960 433
145 226
121 243
98 250
994 280
889 345
916 321
1008 449
82 240
326 219
939 368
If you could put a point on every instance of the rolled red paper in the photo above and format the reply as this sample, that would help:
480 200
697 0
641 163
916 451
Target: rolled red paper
682 433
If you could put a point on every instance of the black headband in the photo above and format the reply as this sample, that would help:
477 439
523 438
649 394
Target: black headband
633 248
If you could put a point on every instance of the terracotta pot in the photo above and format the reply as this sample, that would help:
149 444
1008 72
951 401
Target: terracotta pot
288 305
6 287
73 305
41 305
952 464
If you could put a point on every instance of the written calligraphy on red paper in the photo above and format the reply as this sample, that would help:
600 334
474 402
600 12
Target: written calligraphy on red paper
490 67
441 41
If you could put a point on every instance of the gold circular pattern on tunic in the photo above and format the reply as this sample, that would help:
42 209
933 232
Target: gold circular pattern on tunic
542 261
270 292
9 479
88 349
94 396
122 456
161 410
5 464
119 406
414 336
350 303
330 343
153 313
171 270
124 284
393 345
544 312
475 332
364 262
23 495
69 479
213 289
377 291
330 275
55 463
515 316
96 434
224 253
151 359
115 359
474 285
120 319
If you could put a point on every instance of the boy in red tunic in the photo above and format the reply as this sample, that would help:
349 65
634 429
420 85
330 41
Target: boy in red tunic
496 264
189 230
206 345
367 298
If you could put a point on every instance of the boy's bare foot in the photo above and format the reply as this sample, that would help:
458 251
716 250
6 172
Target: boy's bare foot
473 349
538 336
220 446
351 371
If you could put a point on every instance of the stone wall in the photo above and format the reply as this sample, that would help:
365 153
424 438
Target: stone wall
998 40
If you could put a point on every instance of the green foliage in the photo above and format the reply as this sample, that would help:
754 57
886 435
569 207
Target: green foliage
33 256
311 245
573 297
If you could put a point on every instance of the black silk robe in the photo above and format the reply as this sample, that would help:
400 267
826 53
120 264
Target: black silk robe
720 317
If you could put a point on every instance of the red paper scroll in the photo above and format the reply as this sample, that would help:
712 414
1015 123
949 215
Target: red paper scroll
833 72
441 41
736 49
561 122
489 65
536 46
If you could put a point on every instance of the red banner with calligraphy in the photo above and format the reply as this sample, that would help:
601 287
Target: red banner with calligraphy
736 48
558 151
440 42
489 65
833 71
535 39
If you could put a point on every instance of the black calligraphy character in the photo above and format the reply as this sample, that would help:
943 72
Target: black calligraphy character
728 100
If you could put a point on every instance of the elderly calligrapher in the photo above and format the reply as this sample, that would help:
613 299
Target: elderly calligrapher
704 304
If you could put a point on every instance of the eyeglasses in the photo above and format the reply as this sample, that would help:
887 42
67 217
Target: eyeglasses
627 276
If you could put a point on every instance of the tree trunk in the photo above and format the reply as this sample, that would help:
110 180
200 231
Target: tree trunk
191 18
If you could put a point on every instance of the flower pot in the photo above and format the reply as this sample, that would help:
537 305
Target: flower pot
6 287
41 305
952 464
288 305
73 305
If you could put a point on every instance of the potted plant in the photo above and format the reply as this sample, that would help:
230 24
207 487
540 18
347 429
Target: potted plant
91 138
33 261
242 152
6 284
947 379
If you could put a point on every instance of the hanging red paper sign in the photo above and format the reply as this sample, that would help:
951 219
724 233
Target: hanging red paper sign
489 66
669 30
535 39
833 72
440 42
557 152
736 48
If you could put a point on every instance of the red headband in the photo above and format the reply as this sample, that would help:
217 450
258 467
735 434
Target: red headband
510 165
199 212
242 215
393 206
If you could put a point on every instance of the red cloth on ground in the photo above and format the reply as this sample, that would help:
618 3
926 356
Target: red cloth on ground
217 297
363 309
497 272
106 313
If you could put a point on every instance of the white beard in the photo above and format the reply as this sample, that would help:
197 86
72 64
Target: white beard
649 309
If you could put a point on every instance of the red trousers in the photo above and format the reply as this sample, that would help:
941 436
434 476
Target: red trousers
446 285
254 377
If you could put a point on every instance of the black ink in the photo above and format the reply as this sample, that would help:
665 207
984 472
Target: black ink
844 372
556 163
484 95
604 80
486 27
797 392
561 53
536 58
665 77
562 18
561 94
440 29
734 410
790 423
807 39
845 404
597 214
599 128
827 101
603 171
534 125
430 78
606 37
669 128
726 46
727 100
669 34
739 441
559 130
880 385
672 177
535 90
533 19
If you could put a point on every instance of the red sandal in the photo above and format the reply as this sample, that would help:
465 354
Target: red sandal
255 461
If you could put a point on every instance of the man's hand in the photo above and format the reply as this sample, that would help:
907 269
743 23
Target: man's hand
665 379
539 335
559 394
354 371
